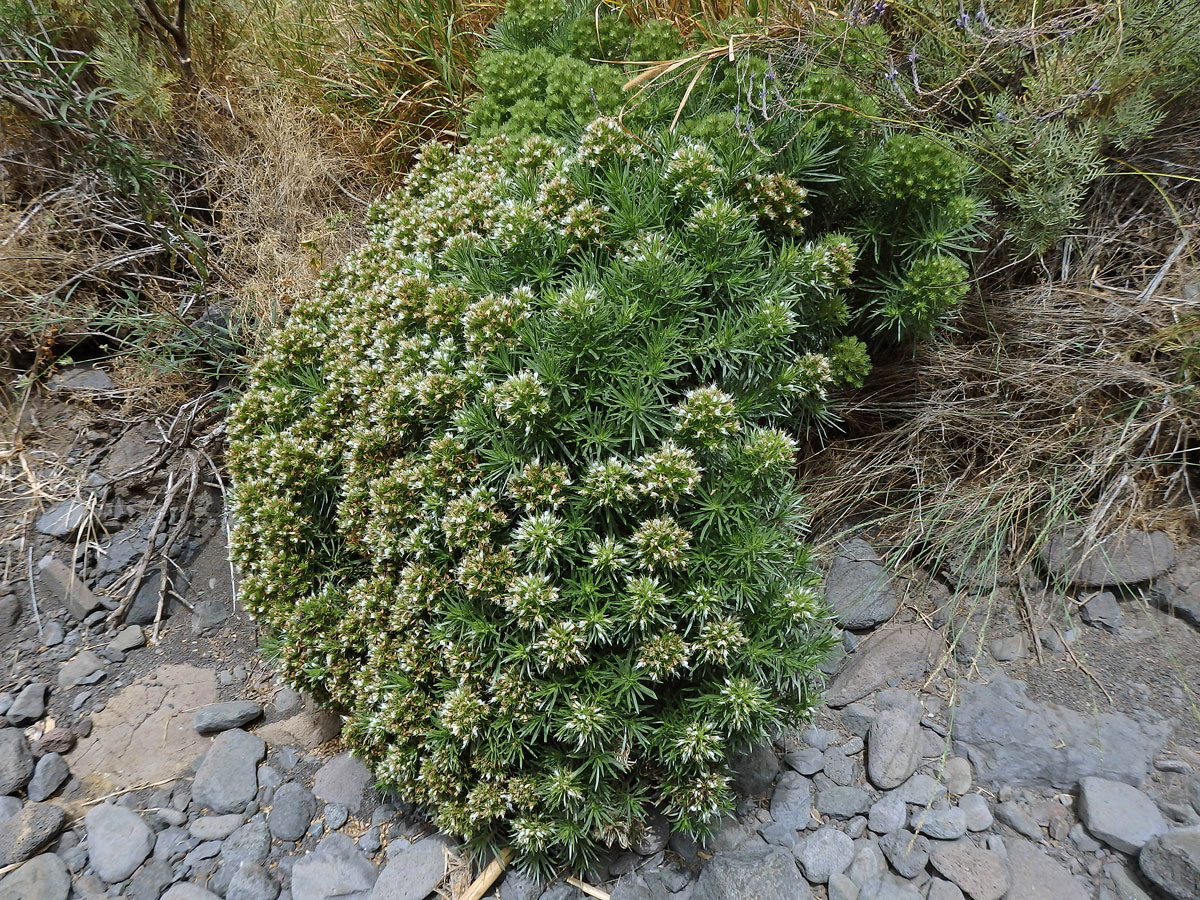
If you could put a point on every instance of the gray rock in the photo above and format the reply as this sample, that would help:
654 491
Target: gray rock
79 670
839 769
228 777
344 780
1172 861
893 744
150 880
943 824
80 379
779 835
981 874
252 882
887 814
173 843
887 889
369 841
1013 740
907 852
940 889
1035 876
842 888
336 815
215 828
1006 649
72 593
144 609
1194 792
53 633
1015 816
223 716
902 651
842 802
336 869
131 637
1183 605
808 761
826 852
756 874
755 770
957 775
16 761
1128 887
1102 611
518 885
1126 558
1119 814
652 838
869 862
63 519
859 589
857 718
50 773
29 706
44 877
249 844
9 807
415 871
292 813
979 814
118 841
24 834
10 611
184 891
791 804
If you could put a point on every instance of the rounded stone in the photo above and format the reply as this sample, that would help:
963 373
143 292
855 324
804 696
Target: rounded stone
825 853
118 841
981 874
44 877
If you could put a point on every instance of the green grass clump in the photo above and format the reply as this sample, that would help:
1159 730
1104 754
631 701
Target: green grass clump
516 492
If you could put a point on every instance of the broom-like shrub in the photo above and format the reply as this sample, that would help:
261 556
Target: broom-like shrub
516 494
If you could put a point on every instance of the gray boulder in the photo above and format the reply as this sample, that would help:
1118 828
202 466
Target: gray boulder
1172 861
16 760
1013 740
858 588
756 874
1119 814
228 777
1126 558
415 871
336 869
118 841
44 877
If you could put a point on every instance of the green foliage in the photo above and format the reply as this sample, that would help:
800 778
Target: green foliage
516 494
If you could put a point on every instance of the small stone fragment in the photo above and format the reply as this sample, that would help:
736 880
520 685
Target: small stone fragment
826 852
907 852
292 812
50 773
979 814
223 716
1119 814
16 761
887 814
118 841
893 747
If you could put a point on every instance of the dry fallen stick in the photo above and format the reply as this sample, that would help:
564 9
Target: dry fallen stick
119 613
488 876
588 889
164 580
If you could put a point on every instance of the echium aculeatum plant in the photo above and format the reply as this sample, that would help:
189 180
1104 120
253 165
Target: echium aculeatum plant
515 493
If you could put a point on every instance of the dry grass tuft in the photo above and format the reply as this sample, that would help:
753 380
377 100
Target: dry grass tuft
1069 397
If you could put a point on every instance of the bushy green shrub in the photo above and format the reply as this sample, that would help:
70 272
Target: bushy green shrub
516 493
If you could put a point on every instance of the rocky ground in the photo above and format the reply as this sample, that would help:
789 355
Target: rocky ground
986 741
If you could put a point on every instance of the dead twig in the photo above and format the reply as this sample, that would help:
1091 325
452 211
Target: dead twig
179 528
172 488
488 876
588 889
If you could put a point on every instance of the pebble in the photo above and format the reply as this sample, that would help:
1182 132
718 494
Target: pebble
223 716
215 828
921 790
808 761
335 815
53 633
337 869
791 804
957 775
29 705
842 888
817 738
943 824
44 877
30 830
345 780
1172 861
16 761
252 882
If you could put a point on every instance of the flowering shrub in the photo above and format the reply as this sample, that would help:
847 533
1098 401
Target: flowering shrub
515 492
